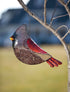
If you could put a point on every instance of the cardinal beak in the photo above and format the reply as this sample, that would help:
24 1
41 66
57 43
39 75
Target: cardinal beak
12 38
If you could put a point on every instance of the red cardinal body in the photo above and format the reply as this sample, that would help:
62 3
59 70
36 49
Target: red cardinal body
27 51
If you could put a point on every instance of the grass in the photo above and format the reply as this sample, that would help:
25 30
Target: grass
18 77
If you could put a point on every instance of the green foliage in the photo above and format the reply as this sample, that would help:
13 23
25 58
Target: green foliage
18 77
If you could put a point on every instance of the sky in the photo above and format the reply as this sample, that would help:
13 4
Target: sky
9 4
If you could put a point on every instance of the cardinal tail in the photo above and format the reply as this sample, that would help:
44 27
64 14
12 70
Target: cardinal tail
53 62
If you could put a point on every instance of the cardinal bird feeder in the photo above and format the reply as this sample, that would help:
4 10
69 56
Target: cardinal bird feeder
27 51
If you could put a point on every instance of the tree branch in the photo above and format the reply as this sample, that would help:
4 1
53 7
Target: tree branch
60 16
65 35
61 2
45 2
35 17
68 2
29 12
65 5
61 27
52 18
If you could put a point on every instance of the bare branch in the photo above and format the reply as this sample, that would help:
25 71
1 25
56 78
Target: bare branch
67 9
61 27
45 1
67 2
69 30
65 5
29 12
60 16
61 2
65 35
35 17
52 16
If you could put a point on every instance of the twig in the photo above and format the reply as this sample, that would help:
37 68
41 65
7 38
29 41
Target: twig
67 2
65 35
66 7
45 1
60 16
61 2
52 18
61 27
29 12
